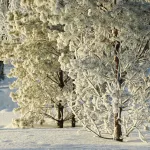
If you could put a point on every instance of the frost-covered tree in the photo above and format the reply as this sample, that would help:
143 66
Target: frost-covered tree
33 31
108 61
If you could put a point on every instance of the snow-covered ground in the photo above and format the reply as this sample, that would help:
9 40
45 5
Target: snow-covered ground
48 138
62 139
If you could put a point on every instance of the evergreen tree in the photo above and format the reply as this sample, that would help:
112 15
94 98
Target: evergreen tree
33 52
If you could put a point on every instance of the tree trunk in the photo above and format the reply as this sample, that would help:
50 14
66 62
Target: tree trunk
7 3
60 107
117 116
60 116
61 79
73 121
114 2
1 70
117 128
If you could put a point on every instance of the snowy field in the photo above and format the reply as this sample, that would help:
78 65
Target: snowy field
53 138
62 139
